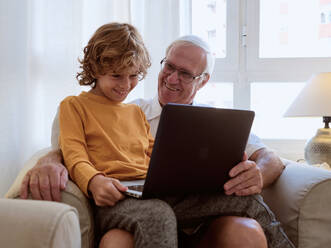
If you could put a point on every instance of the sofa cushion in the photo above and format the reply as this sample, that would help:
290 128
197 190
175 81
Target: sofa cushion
301 201
27 223
71 196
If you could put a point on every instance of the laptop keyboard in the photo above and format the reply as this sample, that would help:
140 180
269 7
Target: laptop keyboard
136 187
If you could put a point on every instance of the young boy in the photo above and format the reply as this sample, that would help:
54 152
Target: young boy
104 141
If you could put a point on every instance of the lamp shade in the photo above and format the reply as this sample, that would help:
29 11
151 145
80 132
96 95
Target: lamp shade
314 99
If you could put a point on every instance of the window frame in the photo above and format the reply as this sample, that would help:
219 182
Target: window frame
242 65
276 69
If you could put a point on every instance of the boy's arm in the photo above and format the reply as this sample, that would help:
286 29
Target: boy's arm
46 179
105 190
73 143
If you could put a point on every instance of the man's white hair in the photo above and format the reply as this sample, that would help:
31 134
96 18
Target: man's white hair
199 42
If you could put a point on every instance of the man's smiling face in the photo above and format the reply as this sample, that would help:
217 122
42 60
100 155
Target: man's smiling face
184 57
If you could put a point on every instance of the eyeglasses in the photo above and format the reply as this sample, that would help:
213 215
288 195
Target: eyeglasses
183 76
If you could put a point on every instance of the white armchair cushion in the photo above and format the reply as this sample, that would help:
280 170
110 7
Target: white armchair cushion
301 201
38 224
71 196
14 190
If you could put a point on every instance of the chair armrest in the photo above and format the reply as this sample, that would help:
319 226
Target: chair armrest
301 201
71 196
27 223
14 190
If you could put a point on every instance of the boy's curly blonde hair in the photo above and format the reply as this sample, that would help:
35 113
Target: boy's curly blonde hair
114 47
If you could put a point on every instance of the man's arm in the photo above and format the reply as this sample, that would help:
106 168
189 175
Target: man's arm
269 164
251 176
46 179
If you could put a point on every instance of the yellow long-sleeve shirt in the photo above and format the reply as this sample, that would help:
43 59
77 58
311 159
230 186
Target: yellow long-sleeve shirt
100 136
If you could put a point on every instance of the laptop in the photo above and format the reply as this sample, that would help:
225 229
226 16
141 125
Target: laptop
195 148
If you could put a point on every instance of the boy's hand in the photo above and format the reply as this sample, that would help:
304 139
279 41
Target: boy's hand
106 191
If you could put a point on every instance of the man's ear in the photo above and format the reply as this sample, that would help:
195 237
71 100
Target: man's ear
205 79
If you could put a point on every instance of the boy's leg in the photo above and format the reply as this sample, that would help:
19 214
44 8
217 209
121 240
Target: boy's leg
152 222
198 208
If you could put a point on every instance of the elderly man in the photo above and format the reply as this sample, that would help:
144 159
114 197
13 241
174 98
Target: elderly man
185 69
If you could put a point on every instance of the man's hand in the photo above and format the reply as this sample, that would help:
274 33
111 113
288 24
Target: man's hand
246 179
46 179
106 191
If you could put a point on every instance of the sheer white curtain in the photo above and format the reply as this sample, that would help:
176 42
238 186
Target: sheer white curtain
40 41
159 23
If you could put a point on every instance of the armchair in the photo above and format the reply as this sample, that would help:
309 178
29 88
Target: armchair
38 224
300 199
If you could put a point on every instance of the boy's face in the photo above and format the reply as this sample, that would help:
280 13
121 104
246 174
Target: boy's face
116 86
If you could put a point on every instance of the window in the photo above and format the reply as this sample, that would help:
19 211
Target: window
291 29
218 94
266 51
209 22
270 101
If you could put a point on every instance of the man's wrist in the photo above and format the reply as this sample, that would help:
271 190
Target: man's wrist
52 157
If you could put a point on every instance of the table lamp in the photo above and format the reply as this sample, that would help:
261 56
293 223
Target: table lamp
314 100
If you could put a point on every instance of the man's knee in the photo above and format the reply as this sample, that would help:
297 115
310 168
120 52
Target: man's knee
117 238
232 231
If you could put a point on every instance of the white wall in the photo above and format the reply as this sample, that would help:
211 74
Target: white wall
289 149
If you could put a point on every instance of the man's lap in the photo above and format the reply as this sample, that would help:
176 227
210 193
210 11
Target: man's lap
187 213
190 211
